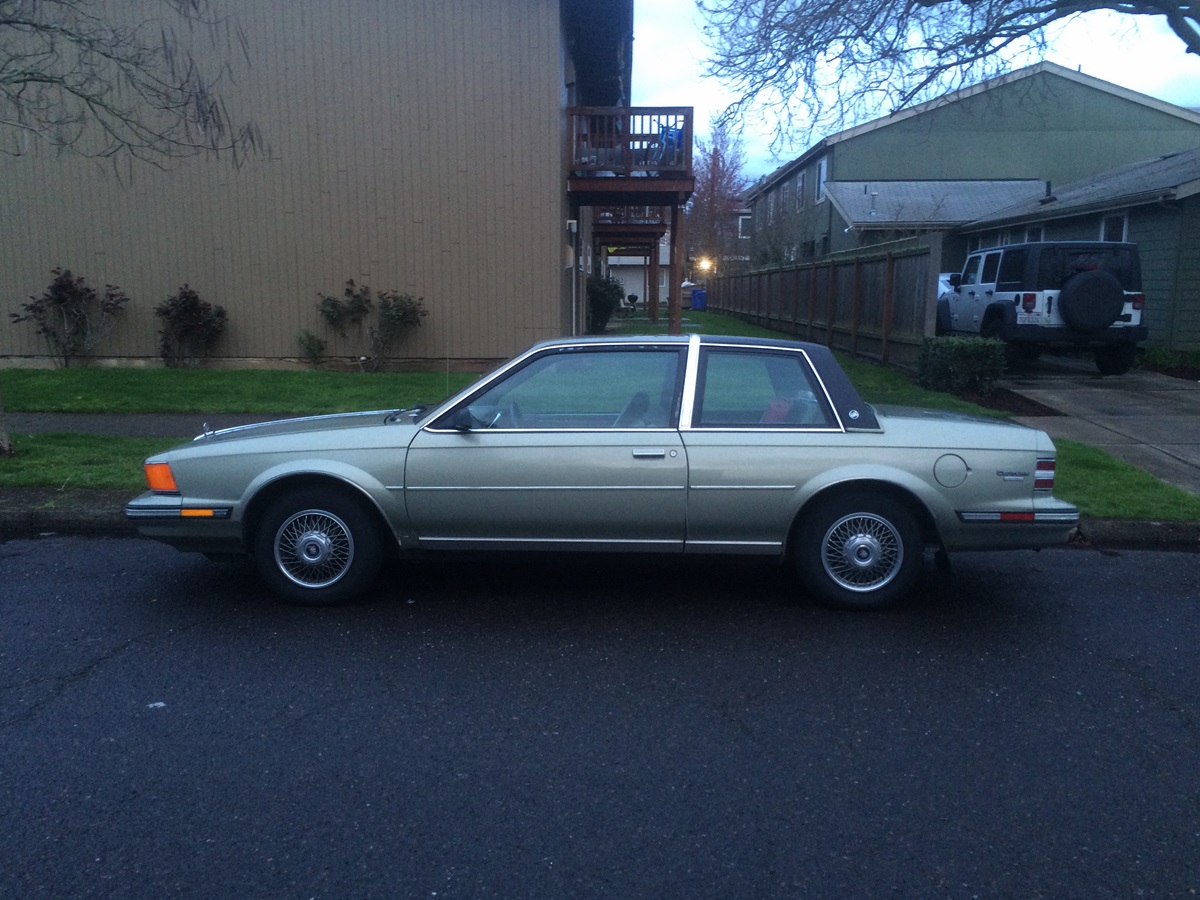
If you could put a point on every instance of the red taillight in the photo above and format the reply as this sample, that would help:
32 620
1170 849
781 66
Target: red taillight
1139 300
1029 302
1044 479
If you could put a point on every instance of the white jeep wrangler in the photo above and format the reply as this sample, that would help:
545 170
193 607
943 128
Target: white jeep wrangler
1062 294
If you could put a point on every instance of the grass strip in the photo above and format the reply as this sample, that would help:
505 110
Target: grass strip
80 461
210 390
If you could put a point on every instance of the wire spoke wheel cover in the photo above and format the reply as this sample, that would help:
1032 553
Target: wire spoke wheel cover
862 552
318 545
859 549
314 548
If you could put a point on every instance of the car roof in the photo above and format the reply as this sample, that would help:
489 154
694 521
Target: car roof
724 340
1083 245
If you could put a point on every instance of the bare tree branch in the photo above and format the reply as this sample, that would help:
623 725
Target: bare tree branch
712 227
98 87
821 65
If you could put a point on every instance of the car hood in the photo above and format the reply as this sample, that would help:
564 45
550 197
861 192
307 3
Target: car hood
307 425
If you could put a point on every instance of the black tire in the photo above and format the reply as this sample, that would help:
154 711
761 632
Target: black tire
942 321
1115 359
1091 301
318 546
859 551
993 329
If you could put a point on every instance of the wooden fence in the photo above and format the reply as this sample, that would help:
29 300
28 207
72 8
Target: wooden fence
879 305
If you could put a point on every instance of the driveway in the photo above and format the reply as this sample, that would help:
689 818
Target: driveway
1144 418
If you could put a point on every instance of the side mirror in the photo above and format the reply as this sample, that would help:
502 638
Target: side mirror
956 280
460 420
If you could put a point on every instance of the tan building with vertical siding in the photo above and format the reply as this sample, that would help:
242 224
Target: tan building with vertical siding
415 145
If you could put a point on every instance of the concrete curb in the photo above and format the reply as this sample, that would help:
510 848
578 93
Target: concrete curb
29 512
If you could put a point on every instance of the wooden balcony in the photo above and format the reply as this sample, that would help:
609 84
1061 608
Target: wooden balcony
630 156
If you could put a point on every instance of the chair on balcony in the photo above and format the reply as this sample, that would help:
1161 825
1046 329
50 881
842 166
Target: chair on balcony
666 151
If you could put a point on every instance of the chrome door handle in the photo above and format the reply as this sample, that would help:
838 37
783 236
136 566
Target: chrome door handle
649 454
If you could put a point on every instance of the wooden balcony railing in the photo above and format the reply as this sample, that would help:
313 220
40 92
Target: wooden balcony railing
632 215
630 142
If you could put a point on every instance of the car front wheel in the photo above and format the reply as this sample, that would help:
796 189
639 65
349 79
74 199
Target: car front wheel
859 551
317 547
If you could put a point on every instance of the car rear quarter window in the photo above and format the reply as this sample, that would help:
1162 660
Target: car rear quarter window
1012 270
1057 264
741 388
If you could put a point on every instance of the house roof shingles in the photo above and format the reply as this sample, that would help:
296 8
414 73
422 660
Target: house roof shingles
1174 176
925 204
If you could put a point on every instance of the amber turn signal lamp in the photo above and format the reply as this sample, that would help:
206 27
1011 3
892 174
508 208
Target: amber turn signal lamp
159 478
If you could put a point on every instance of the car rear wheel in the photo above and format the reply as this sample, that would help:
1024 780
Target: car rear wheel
1115 359
318 546
859 551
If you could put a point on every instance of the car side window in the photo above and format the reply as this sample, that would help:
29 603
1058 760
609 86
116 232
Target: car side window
759 389
991 263
1012 270
587 388
970 273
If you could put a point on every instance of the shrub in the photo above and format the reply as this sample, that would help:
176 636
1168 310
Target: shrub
394 314
960 365
72 316
350 310
603 296
191 327
397 313
312 347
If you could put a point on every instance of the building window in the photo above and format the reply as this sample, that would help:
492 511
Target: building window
801 187
1114 227
1034 233
822 174
744 227
771 208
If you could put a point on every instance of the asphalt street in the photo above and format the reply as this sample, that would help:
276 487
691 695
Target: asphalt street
1027 727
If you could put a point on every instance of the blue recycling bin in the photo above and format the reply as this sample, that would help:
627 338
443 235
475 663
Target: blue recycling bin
699 298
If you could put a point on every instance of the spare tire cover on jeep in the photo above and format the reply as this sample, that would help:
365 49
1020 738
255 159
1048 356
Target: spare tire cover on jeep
1091 300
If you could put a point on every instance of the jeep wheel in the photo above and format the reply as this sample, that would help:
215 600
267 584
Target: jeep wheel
1091 300
1115 359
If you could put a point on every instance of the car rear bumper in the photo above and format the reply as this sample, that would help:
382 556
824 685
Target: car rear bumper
1065 337
1031 530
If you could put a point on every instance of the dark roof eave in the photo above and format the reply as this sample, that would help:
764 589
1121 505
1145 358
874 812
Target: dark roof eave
1051 211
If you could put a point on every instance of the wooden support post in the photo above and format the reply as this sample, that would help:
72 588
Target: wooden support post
889 287
675 292
652 287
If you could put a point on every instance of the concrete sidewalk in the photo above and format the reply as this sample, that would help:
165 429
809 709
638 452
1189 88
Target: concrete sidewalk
1144 418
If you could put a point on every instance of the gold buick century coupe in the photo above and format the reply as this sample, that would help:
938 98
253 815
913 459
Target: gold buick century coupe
710 445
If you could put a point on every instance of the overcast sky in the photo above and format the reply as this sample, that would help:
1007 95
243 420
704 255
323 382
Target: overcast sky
669 53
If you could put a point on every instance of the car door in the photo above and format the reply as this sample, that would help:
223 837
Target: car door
762 425
576 448
962 298
982 292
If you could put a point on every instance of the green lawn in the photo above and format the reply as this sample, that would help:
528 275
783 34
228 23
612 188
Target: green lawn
1098 484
